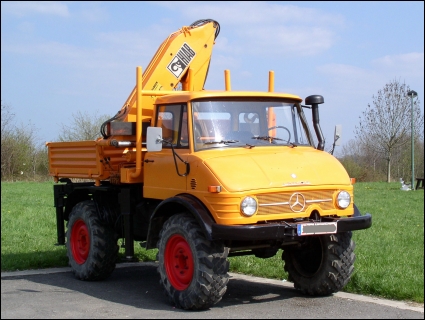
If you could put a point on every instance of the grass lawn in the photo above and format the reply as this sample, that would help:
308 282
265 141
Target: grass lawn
390 255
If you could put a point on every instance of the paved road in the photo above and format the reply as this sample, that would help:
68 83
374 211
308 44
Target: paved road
133 291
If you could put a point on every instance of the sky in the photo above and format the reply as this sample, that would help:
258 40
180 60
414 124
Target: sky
59 58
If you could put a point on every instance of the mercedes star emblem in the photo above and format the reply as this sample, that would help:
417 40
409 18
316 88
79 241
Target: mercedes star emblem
297 202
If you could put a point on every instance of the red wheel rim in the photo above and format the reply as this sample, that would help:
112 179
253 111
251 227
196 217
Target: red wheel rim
80 241
178 262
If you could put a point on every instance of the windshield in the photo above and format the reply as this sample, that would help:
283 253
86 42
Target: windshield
249 123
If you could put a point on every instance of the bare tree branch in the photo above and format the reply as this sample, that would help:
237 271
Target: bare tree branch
387 125
84 126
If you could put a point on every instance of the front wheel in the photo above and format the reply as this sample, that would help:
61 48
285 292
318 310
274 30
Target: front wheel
91 245
322 265
193 270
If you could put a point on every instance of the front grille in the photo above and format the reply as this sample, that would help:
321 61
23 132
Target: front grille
290 202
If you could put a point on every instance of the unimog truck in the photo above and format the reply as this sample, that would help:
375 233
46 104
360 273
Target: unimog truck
204 175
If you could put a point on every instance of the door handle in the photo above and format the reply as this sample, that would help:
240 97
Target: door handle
147 160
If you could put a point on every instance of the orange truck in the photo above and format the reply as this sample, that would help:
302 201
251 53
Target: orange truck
203 175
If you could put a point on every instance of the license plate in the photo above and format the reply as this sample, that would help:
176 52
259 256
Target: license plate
305 229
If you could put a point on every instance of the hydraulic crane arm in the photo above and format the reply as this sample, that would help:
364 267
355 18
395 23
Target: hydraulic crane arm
190 47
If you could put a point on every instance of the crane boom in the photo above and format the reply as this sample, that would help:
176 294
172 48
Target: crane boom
189 47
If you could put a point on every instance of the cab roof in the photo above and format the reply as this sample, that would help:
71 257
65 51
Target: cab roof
184 96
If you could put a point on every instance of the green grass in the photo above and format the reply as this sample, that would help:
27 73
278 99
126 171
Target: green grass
390 255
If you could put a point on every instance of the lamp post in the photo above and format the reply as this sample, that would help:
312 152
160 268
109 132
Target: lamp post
412 94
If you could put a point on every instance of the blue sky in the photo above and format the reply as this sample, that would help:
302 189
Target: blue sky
58 58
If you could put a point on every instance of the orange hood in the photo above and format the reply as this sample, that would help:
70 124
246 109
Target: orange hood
276 169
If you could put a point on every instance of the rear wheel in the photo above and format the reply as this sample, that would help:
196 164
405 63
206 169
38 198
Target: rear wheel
91 246
193 270
322 265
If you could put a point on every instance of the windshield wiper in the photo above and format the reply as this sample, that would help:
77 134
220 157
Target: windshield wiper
222 141
267 138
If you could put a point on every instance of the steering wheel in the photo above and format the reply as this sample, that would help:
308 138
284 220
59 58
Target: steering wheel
248 119
282 127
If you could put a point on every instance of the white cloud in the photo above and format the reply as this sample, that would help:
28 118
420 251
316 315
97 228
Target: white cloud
47 49
349 89
93 12
26 27
247 14
66 55
115 49
341 70
361 83
225 61
349 81
409 64
407 67
284 40
130 43
23 8
246 74
267 27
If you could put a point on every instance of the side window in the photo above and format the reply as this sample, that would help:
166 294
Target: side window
165 121
173 121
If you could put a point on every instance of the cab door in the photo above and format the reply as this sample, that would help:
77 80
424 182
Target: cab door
164 173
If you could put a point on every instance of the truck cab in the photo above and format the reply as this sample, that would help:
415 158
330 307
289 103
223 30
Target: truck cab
250 159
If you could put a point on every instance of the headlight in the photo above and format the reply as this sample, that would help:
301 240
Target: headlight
248 206
343 199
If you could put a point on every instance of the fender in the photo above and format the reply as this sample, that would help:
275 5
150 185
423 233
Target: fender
68 195
178 204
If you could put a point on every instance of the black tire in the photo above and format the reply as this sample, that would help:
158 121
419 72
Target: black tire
193 270
91 246
322 265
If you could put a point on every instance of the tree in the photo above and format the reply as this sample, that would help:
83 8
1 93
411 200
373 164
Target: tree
6 118
18 147
24 157
84 126
6 139
386 126
361 163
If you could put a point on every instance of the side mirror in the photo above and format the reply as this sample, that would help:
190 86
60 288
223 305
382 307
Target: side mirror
337 136
154 139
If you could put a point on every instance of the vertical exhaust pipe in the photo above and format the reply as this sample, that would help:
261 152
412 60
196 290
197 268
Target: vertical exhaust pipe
314 101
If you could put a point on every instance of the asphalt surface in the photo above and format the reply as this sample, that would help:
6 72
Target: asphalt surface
133 291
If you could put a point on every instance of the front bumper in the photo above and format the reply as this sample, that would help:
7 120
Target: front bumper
282 229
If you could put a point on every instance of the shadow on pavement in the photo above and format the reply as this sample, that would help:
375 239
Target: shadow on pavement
138 286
